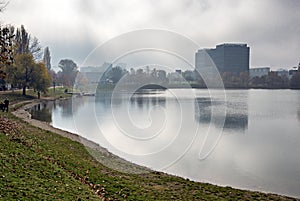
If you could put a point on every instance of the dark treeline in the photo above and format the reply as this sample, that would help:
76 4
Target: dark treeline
193 79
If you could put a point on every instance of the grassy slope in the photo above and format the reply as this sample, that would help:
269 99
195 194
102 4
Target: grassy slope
37 165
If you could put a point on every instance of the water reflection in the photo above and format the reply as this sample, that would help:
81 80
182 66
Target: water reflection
141 99
265 159
67 108
104 97
42 112
236 113
236 116
145 101
70 106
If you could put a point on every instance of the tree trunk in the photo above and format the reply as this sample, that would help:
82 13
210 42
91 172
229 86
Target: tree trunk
39 95
24 90
54 87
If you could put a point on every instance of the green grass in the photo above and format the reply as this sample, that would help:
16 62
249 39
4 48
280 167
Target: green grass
41 165
14 97
26 174
58 93
17 96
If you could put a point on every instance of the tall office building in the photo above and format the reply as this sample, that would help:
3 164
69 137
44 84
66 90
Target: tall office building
228 57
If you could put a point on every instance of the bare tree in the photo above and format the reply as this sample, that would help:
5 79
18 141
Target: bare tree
27 45
35 48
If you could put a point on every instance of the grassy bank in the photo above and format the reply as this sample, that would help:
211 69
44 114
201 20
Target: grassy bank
41 165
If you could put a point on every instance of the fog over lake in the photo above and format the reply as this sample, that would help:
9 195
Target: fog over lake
248 140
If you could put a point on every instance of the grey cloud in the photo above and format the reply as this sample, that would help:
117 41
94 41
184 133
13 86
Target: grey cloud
270 27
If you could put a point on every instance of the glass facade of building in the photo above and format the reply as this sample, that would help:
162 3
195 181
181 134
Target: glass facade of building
233 58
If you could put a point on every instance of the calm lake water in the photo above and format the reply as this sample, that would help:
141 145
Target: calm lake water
249 139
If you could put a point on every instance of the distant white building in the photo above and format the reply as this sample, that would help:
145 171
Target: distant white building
259 72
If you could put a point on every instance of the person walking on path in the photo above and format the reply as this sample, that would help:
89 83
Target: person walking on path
6 104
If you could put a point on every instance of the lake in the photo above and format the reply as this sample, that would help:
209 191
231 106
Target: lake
248 139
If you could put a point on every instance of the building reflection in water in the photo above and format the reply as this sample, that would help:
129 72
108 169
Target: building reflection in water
236 113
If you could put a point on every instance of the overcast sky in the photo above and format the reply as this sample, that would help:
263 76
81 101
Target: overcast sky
72 28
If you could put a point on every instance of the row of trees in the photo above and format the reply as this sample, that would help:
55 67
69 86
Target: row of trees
140 76
24 65
230 80
21 63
